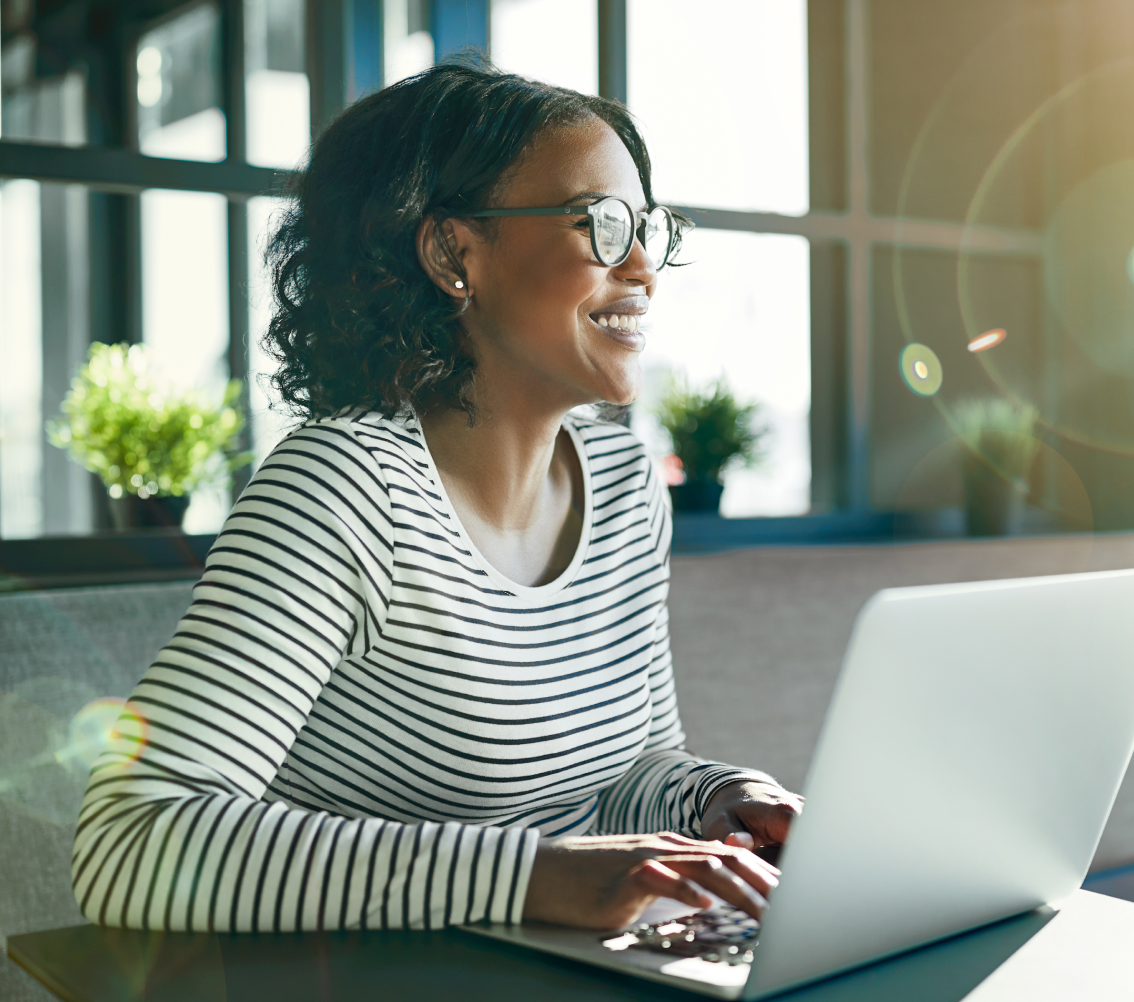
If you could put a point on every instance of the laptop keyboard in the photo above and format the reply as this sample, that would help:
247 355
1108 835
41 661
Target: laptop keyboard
722 935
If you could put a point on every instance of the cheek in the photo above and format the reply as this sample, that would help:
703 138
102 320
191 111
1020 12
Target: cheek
542 288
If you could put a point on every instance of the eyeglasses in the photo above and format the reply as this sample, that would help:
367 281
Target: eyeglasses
613 225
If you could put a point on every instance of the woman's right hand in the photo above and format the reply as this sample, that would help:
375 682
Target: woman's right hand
604 882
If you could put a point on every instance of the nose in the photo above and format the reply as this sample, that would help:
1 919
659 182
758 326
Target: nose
637 269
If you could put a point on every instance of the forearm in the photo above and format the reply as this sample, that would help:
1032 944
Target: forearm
152 854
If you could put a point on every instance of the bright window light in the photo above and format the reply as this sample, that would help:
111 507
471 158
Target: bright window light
21 374
269 424
529 38
720 87
740 312
185 306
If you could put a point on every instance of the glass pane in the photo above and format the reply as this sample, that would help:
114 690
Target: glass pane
179 89
44 109
21 375
276 87
269 424
43 339
740 311
407 45
551 40
185 307
720 88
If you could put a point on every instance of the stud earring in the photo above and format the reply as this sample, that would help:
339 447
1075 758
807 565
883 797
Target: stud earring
458 284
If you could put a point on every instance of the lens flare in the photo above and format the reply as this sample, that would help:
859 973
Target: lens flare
99 724
989 339
921 369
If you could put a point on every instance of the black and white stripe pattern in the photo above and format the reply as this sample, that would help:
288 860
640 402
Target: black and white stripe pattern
360 723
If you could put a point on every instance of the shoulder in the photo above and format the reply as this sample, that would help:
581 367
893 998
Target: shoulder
330 470
622 475
609 448
359 441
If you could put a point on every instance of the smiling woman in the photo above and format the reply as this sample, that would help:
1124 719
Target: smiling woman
426 676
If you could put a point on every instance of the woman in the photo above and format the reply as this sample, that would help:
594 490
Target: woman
425 678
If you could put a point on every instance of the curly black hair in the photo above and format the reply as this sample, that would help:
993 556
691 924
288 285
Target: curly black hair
358 322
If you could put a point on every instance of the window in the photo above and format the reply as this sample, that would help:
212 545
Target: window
551 40
725 116
277 91
861 175
724 110
178 71
740 313
269 424
407 43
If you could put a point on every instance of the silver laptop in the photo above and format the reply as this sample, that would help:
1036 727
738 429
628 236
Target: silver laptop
970 757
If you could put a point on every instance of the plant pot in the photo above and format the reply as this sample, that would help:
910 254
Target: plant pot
161 512
991 500
696 495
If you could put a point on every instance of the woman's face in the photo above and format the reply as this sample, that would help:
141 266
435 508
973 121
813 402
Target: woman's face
538 292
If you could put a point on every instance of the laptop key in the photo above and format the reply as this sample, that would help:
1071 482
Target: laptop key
720 935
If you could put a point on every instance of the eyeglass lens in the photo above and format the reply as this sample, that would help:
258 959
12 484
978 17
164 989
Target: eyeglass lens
614 229
614 232
658 236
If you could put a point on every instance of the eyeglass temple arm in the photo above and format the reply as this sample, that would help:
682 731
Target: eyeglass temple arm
559 210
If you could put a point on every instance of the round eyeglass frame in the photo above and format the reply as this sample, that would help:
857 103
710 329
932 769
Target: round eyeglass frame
593 211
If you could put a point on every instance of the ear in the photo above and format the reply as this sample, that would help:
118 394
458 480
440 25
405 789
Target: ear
446 252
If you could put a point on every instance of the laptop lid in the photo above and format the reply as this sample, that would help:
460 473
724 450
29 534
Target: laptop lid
970 757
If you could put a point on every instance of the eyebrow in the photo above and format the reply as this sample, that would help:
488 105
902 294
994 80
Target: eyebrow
590 196
593 196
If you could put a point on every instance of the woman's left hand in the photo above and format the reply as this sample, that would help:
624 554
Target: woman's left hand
750 814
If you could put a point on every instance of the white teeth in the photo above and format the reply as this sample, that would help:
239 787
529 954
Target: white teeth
620 322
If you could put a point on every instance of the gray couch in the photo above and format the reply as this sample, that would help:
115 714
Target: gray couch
768 623
59 650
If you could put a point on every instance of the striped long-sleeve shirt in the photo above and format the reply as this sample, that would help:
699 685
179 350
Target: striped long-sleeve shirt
360 723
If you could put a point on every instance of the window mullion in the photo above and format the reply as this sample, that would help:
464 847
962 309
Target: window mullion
612 41
235 117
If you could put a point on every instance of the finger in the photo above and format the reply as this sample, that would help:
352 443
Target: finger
753 870
654 878
743 840
714 876
756 871
770 821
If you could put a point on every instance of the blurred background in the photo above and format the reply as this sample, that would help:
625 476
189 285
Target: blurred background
865 175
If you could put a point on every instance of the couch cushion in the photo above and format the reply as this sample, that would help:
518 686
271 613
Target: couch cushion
60 651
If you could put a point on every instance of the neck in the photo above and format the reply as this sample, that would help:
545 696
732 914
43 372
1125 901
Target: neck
507 467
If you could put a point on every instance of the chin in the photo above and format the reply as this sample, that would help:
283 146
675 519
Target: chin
624 389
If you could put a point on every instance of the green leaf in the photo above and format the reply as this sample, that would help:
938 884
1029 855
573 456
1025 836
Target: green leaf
711 430
120 422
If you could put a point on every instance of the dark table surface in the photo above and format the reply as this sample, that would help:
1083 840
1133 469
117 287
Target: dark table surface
1082 950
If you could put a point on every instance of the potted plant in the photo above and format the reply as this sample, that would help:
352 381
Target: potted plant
150 445
711 431
999 450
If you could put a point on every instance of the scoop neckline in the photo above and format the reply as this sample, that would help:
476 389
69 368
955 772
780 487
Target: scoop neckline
514 587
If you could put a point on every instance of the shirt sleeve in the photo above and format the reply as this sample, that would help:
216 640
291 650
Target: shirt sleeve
173 832
667 787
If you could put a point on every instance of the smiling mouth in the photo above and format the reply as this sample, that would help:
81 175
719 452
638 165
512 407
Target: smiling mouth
624 322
